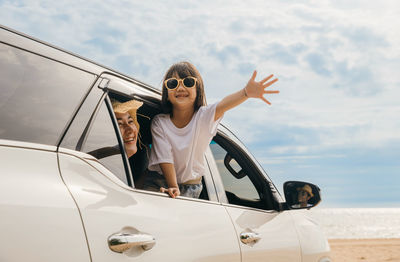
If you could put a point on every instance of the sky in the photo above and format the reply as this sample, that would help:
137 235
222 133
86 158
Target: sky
336 120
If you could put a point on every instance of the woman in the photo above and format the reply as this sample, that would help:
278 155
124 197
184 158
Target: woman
126 114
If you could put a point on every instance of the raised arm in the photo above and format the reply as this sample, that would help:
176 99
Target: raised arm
252 89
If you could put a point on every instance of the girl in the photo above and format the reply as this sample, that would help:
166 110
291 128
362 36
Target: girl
182 134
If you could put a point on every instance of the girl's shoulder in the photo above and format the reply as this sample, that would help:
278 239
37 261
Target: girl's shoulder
204 109
160 118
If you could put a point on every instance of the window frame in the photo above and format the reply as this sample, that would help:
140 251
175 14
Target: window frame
260 182
77 109
103 97
128 171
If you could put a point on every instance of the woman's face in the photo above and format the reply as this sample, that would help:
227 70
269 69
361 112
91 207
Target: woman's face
129 132
303 196
182 97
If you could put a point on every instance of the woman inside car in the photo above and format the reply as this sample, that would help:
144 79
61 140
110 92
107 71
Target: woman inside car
126 114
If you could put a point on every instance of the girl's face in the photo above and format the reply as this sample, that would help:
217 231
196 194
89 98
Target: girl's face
182 97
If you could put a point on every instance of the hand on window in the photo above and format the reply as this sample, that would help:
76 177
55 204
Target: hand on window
172 191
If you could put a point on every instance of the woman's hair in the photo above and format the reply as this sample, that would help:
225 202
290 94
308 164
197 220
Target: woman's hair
183 69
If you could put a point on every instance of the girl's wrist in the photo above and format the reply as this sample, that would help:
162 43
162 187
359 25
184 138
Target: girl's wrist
173 185
245 92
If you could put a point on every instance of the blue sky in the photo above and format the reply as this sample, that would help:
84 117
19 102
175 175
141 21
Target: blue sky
336 121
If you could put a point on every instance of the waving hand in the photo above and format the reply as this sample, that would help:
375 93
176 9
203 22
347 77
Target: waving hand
257 89
252 89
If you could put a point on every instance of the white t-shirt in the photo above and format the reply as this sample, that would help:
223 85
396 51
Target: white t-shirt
183 147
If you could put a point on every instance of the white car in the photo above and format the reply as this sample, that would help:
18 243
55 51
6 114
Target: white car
60 201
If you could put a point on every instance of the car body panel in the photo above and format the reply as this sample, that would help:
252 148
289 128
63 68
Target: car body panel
313 242
39 219
278 239
185 229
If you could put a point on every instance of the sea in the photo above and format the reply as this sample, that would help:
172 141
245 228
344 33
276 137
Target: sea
358 223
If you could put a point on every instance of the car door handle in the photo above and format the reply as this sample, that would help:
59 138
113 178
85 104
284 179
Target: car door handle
121 242
249 238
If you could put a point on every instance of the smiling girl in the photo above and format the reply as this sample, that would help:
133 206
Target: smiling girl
181 135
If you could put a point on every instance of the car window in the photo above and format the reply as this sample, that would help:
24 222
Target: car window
76 137
38 96
102 143
239 187
73 137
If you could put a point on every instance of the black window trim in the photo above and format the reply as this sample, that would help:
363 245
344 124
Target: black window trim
76 111
128 171
259 181
86 131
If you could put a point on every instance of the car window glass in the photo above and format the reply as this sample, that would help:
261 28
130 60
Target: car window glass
138 162
103 144
38 96
81 120
242 188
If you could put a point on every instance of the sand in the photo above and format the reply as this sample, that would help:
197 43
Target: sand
365 250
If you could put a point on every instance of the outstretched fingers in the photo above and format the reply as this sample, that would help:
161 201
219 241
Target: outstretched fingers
257 89
265 100
253 77
268 92
271 92
267 84
266 79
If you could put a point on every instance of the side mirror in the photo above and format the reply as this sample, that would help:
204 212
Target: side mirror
301 195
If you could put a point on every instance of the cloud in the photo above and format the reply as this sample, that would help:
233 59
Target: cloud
130 64
293 159
104 45
318 64
246 69
358 80
237 26
285 54
225 53
364 37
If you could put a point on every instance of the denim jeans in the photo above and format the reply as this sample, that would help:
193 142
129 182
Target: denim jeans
190 190
153 182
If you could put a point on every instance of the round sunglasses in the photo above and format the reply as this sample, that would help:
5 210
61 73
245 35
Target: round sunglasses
188 82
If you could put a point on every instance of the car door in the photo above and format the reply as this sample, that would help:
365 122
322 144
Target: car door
39 221
159 227
264 234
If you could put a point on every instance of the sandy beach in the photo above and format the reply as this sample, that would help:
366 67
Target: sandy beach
365 250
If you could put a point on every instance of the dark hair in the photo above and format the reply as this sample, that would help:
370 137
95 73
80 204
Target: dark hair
183 69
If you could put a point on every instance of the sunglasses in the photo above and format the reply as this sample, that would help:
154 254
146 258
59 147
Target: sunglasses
172 83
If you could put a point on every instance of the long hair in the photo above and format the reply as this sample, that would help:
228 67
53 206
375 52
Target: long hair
183 69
